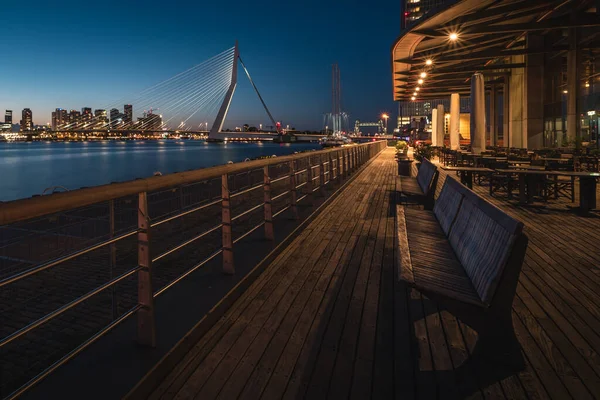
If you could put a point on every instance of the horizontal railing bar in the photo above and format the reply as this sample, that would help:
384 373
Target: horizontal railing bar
302 198
180 246
326 173
280 179
68 357
162 221
284 209
65 308
316 177
300 185
325 162
50 264
326 182
246 190
188 272
25 209
315 189
314 166
280 195
248 233
261 205
301 171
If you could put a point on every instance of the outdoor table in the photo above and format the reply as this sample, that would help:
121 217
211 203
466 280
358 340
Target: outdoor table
466 173
516 162
527 178
587 188
528 167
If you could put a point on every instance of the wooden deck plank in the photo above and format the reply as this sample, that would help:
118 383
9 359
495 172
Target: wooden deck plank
328 318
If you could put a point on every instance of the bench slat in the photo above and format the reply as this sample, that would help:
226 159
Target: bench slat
405 270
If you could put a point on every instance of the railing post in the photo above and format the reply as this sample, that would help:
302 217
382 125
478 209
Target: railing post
269 235
322 174
146 324
340 161
331 167
227 240
293 194
309 180
346 163
113 258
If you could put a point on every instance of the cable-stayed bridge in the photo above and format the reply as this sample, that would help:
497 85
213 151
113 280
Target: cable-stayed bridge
194 101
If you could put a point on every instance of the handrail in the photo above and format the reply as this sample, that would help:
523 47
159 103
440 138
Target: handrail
346 160
25 209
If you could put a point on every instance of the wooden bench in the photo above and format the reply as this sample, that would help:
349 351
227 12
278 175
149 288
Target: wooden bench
420 189
467 254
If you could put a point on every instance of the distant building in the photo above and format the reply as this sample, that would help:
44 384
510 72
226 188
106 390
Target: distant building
100 118
116 118
86 116
8 117
149 122
26 120
60 119
128 114
415 9
74 119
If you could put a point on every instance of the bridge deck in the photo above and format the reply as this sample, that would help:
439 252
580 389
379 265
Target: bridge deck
328 319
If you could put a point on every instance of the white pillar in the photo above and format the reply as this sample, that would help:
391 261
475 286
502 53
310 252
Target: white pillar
455 121
477 113
434 136
441 130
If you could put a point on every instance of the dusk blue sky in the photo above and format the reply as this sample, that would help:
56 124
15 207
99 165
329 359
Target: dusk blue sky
72 54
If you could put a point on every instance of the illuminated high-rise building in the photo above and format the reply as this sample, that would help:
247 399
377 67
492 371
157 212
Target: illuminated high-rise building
415 9
100 118
60 119
26 120
74 119
8 117
128 114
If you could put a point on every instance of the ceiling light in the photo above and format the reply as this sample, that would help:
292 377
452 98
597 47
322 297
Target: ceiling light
453 36
565 92
423 74
429 61
420 81
415 93
413 98
417 88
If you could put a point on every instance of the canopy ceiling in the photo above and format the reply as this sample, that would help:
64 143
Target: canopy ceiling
492 38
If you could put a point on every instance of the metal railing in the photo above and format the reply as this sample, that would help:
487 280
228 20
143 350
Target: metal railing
120 215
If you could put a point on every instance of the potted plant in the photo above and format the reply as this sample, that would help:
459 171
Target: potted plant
404 163
401 149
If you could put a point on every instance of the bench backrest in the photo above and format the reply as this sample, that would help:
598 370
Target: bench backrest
448 203
483 237
425 176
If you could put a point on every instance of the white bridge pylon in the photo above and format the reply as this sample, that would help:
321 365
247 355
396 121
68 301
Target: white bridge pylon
217 127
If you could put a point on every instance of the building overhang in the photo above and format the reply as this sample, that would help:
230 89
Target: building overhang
491 38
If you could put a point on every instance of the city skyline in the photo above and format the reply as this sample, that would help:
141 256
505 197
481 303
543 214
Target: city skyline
292 67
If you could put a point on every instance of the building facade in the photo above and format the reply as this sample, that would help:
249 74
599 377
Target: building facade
127 114
60 119
8 117
415 9
26 120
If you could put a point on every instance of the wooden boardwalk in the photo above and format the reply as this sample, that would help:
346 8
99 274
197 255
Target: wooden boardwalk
328 319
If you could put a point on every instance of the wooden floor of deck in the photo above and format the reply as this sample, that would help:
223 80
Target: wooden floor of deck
328 319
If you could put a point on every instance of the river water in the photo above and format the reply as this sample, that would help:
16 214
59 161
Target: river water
28 168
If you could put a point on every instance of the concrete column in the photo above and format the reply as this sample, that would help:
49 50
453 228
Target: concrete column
455 121
517 137
477 113
441 130
573 83
533 116
434 118
493 116
506 113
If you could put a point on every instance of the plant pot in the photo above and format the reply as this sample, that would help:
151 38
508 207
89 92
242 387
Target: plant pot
404 167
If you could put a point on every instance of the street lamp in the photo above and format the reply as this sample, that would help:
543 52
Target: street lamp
420 81
429 61
453 36
423 74
385 118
